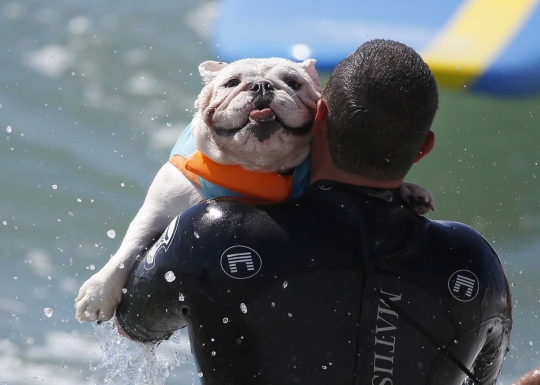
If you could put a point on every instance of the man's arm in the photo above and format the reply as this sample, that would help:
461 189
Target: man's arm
151 309
488 364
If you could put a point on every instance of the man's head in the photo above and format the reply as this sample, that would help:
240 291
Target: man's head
381 103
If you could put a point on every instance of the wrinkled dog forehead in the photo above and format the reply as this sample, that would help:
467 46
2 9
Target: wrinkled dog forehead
253 69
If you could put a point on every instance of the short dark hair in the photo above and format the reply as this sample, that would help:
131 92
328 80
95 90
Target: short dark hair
382 100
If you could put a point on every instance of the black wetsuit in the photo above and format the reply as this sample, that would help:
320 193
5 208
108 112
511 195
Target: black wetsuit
345 285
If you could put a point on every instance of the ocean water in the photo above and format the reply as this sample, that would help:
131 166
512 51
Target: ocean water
92 98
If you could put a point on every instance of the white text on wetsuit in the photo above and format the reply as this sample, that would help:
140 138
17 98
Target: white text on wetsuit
385 341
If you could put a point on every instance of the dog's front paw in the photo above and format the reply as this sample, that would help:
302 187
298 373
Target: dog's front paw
98 297
418 197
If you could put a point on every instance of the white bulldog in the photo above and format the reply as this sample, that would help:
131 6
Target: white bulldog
255 113
252 113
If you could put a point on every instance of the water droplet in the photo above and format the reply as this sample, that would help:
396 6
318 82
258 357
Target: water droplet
290 315
169 124
4 223
324 367
213 354
121 266
200 374
196 234
48 311
225 320
513 285
243 307
79 200
87 313
124 290
54 187
8 129
181 297
111 233
274 304
92 267
142 77
285 284
530 343
123 184
169 276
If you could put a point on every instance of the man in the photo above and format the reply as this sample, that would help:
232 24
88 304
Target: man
346 284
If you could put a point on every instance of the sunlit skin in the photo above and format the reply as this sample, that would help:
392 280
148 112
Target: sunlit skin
531 378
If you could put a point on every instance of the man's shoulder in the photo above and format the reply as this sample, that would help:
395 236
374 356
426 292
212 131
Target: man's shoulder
221 215
218 208
461 242
456 232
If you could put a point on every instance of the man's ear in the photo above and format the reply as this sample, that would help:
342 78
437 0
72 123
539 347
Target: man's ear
321 116
309 66
427 146
210 68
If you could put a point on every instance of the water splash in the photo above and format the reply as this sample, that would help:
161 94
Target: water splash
131 361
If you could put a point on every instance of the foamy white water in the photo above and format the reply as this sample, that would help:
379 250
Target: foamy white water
135 362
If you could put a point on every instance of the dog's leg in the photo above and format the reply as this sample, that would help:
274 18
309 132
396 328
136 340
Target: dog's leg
169 194
420 198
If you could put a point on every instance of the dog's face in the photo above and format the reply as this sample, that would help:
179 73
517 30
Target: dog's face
257 112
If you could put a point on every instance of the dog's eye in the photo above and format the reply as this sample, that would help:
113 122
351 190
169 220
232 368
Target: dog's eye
293 84
232 83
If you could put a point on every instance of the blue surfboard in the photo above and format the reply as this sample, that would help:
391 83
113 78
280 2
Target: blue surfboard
475 45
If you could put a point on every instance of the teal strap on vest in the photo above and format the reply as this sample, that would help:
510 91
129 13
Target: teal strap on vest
185 146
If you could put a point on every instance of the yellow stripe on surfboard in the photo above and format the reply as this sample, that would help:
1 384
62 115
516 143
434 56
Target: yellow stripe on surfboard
473 38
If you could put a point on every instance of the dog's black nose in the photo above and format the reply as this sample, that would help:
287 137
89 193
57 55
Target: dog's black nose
262 87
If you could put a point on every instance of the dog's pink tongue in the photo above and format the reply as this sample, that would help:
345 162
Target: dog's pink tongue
261 114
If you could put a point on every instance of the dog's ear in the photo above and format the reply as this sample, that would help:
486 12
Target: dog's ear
309 66
210 68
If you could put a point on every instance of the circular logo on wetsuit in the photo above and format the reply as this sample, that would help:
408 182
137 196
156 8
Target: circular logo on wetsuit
240 262
463 285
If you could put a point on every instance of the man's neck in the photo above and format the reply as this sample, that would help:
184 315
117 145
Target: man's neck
323 168
335 174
